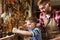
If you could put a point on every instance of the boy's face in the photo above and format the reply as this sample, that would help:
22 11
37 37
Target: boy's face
30 25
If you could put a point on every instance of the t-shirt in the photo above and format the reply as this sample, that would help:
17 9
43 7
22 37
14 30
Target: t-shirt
36 34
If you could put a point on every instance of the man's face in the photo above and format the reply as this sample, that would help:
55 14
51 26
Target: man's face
45 7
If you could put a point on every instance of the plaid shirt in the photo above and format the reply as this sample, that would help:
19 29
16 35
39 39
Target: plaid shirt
56 17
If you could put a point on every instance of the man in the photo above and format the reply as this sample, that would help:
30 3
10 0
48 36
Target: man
49 18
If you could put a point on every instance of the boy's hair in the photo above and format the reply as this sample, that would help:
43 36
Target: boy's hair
42 1
32 19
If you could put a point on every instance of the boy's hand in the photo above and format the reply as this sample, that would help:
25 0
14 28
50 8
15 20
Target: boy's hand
14 30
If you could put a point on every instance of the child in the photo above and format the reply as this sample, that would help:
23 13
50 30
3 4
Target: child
33 31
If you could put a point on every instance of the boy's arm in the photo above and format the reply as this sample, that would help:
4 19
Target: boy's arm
22 32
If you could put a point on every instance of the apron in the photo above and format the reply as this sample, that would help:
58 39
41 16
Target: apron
51 27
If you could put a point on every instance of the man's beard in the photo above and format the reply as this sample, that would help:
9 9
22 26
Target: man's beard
48 12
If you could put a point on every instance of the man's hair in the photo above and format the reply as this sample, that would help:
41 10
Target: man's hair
42 1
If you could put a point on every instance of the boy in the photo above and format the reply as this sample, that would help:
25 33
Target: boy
33 32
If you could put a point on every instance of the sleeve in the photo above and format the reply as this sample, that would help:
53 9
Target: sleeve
58 17
36 32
